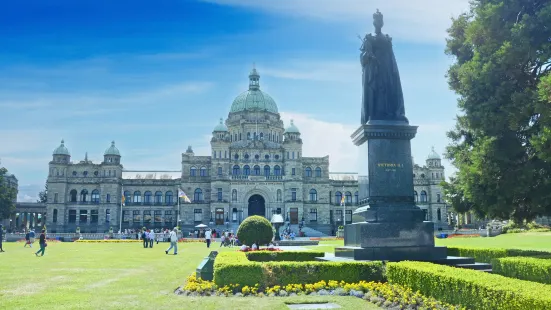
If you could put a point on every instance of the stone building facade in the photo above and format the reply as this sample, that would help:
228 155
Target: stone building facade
256 167
10 181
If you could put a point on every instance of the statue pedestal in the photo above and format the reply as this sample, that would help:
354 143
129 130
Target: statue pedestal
390 227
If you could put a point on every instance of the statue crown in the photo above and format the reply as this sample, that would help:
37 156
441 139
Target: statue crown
378 16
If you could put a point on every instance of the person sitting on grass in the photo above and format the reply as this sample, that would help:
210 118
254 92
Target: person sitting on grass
254 247
244 248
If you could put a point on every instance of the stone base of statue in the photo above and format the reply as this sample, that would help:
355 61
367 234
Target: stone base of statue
389 226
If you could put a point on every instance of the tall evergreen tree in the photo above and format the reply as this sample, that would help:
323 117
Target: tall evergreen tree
43 195
502 51
8 196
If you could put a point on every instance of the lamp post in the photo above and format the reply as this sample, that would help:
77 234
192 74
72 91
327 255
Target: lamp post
211 222
227 220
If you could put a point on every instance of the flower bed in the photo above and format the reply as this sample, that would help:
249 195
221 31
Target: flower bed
463 236
36 240
191 240
261 250
524 268
382 294
326 238
470 288
296 256
235 268
109 241
486 255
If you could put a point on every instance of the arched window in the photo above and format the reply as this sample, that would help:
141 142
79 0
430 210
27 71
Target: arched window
235 170
137 197
356 198
438 214
246 170
318 172
415 196
338 197
158 197
423 196
73 195
192 172
261 136
248 136
147 197
203 171
168 198
278 195
266 170
257 170
234 195
95 196
348 197
313 195
277 170
308 172
198 195
83 195
127 197
54 218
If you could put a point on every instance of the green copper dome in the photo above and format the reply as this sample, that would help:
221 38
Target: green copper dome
221 127
113 150
254 99
292 128
61 150
433 154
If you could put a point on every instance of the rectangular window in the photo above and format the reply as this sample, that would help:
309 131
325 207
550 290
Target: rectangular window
107 216
348 216
293 155
219 170
55 197
136 216
313 215
219 194
147 216
72 216
287 155
158 216
225 154
293 194
292 171
438 197
203 172
198 215
83 218
126 216
108 198
338 216
214 154
94 216
168 216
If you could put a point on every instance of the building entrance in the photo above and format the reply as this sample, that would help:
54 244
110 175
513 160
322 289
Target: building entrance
257 205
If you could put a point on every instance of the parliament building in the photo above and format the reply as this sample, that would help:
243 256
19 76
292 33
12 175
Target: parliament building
256 167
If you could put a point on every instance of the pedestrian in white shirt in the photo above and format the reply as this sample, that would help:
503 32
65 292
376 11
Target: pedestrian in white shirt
173 238
151 238
208 235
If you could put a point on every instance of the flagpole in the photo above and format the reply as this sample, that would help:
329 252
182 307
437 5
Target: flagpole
344 207
120 215
178 217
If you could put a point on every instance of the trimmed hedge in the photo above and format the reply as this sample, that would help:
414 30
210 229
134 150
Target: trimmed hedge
524 268
486 255
267 256
470 288
235 268
255 229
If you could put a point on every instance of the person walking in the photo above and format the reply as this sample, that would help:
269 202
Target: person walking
173 239
144 238
28 240
1 238
42 243
208 235
32 237
151 238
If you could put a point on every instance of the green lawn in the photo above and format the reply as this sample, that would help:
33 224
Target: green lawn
525 241
118 276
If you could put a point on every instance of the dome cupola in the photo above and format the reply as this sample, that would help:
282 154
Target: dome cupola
292 128
221 127
112 150
433 154
254 99
62 150
112 155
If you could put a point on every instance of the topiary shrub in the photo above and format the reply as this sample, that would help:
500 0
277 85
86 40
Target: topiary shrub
255 229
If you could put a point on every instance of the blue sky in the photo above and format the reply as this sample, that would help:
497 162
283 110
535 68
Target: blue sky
156 76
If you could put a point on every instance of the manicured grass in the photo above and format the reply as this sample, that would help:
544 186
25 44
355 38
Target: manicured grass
119 276
523 241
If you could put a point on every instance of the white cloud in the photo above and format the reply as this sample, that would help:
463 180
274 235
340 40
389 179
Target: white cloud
421 20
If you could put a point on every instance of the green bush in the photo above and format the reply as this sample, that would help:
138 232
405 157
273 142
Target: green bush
469 288
235 268
524 268
486 255
268 256
255 229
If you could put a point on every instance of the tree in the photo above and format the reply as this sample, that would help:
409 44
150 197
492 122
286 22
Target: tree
255 229
502 66
8 195
43 195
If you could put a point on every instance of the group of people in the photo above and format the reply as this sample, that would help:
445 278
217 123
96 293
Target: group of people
148 236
